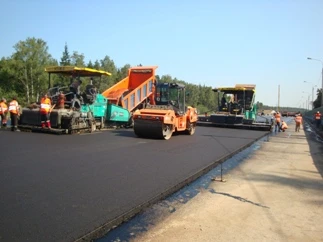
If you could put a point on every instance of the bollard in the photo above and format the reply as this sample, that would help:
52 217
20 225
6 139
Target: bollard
221 180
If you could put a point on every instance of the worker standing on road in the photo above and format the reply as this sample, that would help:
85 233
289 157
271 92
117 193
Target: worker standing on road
318 119
298 120
284 126
14 113
45 109
277 119
3 112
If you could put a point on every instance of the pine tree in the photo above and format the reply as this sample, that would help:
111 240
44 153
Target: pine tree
66 59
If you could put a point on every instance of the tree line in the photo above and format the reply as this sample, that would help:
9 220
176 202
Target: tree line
22 74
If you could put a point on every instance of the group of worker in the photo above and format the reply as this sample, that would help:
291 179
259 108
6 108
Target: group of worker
280 125
14 110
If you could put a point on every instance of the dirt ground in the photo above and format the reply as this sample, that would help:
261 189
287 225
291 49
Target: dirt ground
276 195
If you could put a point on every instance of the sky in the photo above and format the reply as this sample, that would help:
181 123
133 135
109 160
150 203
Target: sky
208 42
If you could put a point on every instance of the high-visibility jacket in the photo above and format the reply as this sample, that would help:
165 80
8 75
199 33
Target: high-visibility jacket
317 116
3 108
277 117
298 119
45 105
13 107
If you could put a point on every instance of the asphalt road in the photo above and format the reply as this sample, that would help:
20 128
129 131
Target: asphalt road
59 188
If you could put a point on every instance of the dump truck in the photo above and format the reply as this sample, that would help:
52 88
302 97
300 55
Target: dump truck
236 109
167 116
131 93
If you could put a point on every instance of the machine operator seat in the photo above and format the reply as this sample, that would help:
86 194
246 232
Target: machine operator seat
176 107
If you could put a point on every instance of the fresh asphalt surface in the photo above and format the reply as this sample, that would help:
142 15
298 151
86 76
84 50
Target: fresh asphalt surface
60 187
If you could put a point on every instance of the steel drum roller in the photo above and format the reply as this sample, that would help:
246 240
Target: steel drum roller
152 129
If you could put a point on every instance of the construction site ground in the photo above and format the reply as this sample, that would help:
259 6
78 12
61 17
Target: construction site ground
273 194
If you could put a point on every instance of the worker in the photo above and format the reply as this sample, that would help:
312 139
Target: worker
284 126
75 87
317 118
223 101
3 112
61 100
45 109
14 113
277 120
298 120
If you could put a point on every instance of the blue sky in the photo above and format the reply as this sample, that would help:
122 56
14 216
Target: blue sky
216 43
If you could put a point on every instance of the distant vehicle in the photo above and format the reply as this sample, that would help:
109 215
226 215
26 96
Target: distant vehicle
288 114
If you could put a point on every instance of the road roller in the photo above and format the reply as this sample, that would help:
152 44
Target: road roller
169 115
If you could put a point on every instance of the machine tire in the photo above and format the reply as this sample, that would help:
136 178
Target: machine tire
191 129
167 132
130 123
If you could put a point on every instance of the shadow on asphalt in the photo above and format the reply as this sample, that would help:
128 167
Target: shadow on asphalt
124 133
314 136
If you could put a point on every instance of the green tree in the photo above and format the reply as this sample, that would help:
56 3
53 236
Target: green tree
107 64
65 59
27 63
77 59
123 72
97 65
317 102
90 64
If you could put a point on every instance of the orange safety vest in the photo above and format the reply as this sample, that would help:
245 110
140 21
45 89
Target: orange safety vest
277 116
317 116
13 107
45 105
3 108
298 119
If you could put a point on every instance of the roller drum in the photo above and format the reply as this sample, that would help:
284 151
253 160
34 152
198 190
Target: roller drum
152 129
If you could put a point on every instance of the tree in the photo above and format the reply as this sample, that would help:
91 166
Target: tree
27 63
77 59
96 65
317 102
123 72
65 59
90 64
107 64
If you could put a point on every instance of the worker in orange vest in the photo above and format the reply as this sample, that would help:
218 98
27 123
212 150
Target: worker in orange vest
14 113
45 109
317 118
277 118
298 120
284 126
61 101
3 112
